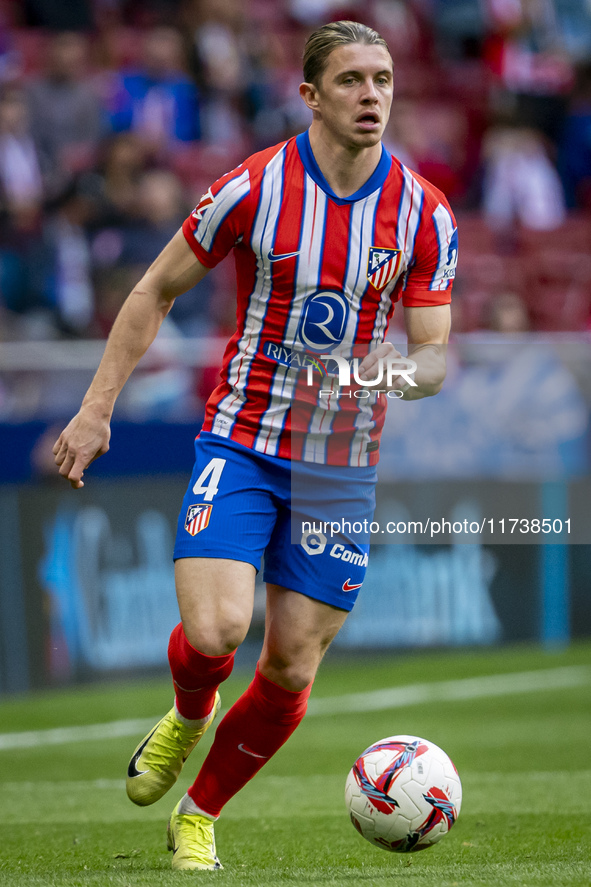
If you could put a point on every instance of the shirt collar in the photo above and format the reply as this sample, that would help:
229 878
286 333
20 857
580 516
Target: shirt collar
375 181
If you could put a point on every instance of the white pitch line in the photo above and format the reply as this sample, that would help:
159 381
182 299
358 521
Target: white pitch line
372 700
86 733
444 691
72 785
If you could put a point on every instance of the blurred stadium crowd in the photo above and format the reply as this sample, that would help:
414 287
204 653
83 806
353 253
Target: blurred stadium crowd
116 115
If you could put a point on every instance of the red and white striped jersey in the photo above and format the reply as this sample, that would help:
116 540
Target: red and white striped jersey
317 274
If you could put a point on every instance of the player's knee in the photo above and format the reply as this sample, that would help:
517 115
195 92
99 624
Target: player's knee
215 638
292 674
295 678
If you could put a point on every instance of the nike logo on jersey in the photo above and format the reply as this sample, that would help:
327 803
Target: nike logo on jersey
273 257
348 587
253 754
132 770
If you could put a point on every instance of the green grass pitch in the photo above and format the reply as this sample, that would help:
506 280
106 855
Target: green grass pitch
524 760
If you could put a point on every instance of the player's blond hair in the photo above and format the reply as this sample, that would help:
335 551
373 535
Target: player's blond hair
322 42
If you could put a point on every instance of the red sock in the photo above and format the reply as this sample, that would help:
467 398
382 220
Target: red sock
195 676
252 731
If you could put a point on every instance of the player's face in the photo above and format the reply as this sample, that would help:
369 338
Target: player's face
354 94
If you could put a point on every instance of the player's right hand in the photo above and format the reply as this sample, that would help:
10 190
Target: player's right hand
80 443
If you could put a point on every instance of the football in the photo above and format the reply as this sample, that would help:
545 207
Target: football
403 794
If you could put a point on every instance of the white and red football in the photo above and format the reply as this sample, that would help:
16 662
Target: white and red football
403 794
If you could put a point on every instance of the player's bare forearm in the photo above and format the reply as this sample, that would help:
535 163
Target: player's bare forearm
172 273
428 332
429 375
87 435
133 332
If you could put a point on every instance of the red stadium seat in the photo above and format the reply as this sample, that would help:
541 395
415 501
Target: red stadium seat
574 235
198 166
558 289
475 236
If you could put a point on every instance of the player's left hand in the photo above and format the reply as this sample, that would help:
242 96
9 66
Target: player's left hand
369 367
80 443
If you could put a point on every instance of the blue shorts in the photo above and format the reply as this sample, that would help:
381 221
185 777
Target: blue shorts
311 522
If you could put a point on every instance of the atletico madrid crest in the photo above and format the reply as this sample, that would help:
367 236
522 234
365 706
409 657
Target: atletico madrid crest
197 518
382 265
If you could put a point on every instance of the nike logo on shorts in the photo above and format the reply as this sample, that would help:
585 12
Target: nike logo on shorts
348 587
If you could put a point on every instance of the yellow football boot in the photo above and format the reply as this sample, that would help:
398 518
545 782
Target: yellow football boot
158 760
190 837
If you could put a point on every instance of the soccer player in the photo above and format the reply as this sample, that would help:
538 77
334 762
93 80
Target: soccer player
328 231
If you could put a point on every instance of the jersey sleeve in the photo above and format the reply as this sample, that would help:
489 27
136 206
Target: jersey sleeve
217 223
429 279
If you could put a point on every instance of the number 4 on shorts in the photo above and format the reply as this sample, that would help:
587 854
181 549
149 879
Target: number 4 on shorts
213 472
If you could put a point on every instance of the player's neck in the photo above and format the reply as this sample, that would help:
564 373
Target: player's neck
345 169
